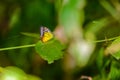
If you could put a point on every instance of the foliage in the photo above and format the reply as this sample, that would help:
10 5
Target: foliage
14 73
86 42
50 51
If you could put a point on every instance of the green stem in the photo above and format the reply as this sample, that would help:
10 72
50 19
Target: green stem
107 39
17 47
32 45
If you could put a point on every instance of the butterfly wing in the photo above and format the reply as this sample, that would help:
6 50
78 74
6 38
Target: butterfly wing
45 34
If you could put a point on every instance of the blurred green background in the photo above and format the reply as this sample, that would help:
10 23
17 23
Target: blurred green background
78 24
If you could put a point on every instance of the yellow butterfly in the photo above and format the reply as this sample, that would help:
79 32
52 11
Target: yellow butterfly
45 34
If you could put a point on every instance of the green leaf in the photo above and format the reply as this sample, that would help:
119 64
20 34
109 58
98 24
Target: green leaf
117 40
100 59
116 55
50 51
34 35
114 47
12 73
114 71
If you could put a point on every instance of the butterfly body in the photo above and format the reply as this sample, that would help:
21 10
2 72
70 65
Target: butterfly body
45 34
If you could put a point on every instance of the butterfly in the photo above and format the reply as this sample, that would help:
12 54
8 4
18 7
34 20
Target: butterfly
45 34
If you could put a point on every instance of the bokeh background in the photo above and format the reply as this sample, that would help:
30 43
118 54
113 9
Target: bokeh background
78 24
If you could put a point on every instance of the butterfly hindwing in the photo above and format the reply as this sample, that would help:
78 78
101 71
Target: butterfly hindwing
45 34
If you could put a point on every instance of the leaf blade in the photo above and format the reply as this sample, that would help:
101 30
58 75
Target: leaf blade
50 51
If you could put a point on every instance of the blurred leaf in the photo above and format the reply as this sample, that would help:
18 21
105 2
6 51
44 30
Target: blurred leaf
117 40
74 21
34 35
15 17
97 25
109 8
113 48
100 57
116 55
12 73
72 17
114 71
50 51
